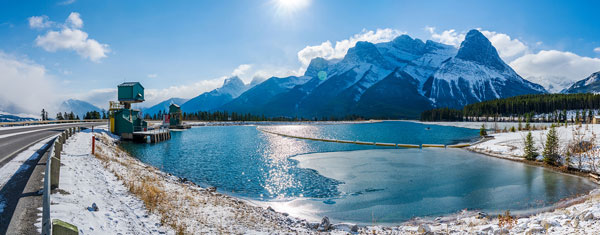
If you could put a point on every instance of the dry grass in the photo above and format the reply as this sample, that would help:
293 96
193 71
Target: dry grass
506 220
185 207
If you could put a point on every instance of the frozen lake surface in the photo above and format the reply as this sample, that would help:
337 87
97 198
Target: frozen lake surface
356 183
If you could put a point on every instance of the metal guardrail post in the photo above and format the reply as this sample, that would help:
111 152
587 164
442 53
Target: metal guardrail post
46 225
55 165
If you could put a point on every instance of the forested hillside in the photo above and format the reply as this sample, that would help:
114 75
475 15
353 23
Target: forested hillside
555 105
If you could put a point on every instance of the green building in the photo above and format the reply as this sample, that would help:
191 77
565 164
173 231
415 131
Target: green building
175 115
123 119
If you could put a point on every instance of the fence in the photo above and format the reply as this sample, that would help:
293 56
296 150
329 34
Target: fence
51 181
371 143
28 123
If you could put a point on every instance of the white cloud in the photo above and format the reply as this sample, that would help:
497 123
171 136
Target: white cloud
70 37
508 48
241 70
39 22
27 88
597 49
328 51
450 37
66 2
555 70
152 75
74 20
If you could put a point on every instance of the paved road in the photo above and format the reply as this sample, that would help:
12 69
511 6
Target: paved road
21 194
15 140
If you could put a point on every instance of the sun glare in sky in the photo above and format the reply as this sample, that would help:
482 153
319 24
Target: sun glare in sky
287 7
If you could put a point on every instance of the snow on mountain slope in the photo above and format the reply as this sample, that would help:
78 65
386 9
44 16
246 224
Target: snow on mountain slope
255 99
590 84
441 74
231 89
78 107
163 106
475 74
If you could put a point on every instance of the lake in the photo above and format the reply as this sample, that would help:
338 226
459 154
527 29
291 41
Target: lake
356 183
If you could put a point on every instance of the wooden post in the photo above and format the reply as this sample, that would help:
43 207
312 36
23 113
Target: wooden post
93 144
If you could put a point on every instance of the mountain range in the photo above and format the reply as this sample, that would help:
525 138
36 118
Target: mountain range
231 89
163 106
78 107
396 79
590 84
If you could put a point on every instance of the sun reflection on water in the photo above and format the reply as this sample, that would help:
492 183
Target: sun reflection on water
279 178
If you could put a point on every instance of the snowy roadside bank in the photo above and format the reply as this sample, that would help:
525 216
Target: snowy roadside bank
83 182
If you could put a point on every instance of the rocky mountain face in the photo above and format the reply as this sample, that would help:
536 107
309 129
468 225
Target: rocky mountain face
590 84
231 89
475 74
396 79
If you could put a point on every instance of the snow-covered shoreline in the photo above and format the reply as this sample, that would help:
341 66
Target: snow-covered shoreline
202 210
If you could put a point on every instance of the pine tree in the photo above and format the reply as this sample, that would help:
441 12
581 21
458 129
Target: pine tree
551 149
530 151
482 131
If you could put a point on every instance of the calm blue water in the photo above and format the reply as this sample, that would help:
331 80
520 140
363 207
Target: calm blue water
355 182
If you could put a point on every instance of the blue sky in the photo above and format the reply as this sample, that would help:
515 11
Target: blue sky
190 46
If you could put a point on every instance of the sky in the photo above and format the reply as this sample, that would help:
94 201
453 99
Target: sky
51 51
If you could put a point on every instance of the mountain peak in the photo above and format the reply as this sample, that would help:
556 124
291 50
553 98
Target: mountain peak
365 52
316 65
233 81
586 85
406 43
477 48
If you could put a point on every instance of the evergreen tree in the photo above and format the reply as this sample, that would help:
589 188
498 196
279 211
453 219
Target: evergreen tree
43 114
59 116
482 131
551 149
530 151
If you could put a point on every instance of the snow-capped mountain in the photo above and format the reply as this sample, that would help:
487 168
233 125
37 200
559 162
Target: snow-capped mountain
396 79
475 74
9 117
256 98
231 89
590 84
78 107
163 106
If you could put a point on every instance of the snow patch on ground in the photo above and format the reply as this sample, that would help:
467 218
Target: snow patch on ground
16 164
85 181
511 144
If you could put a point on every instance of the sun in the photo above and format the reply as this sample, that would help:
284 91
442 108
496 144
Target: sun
290 6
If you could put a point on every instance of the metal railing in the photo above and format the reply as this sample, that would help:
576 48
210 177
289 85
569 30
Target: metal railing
46 225
52 175
49 122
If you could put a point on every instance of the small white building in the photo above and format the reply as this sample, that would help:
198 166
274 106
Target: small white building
596 119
